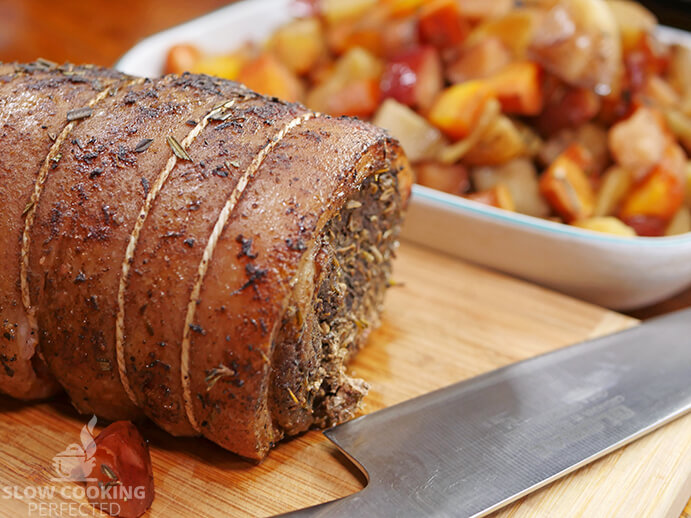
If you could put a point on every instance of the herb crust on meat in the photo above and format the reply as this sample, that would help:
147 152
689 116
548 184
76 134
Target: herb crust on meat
186 249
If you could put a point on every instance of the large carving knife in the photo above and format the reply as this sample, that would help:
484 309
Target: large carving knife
473 447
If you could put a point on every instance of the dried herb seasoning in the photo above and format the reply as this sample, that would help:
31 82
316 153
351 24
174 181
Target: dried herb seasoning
216 373
143 145
220 115
55 160
197 329
104 364
98 171
178 150
46 63
108 472
221 172
245 247
80 113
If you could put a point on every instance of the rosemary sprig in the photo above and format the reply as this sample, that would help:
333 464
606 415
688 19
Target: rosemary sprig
143 145
111 475
79 113
293 397
178 150
46 63
215 374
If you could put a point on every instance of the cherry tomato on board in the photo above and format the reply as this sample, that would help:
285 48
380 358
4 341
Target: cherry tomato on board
121 482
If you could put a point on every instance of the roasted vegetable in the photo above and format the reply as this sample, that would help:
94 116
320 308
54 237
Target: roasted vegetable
421 140
565 185
518 88
458 109
269 76
607 225
504 81
578 40
414 78
300 45
521 179
498 196
451 178
441 23
484 59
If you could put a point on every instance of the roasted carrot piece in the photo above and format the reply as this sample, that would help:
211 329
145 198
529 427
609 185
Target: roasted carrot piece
268 76
518 87
358 98
659 195
441 24
181 58
566 187
458 108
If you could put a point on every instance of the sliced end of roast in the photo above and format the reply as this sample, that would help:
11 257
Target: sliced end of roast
335 304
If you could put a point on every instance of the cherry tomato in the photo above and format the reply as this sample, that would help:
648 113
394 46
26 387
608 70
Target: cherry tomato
121 482
414 77
650 226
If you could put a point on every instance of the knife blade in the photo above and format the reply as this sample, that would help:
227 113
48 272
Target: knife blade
476 446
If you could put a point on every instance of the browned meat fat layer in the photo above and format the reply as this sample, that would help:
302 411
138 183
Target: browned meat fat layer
184 249
320 333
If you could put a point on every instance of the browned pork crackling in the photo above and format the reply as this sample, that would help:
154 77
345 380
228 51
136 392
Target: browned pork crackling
185 249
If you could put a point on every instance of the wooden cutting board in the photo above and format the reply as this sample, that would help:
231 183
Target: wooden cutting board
446 322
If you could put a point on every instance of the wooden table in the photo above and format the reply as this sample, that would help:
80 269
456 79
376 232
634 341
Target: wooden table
100 32
444 324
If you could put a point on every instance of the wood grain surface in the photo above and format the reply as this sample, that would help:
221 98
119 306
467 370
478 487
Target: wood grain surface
687 511
448 321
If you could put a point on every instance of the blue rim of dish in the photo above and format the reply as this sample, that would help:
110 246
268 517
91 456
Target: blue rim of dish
538 224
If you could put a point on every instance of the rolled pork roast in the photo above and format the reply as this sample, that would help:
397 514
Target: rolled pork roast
185 249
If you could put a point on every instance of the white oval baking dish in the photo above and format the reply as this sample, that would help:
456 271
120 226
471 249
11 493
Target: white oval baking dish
617 272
